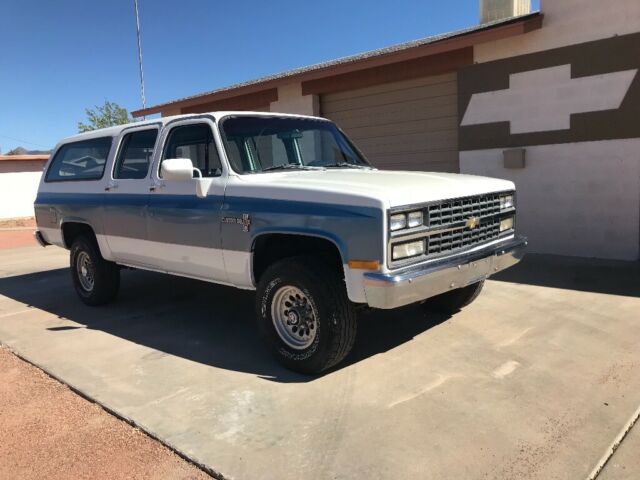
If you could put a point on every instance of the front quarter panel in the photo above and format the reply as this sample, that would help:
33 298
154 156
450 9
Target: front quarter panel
355 230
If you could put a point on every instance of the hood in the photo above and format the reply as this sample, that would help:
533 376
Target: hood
369 187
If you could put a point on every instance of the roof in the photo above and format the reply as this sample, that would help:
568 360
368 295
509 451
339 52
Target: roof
413 49
19 158
117 129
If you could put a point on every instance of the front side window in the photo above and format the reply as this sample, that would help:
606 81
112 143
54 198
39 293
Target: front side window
196 143
84 160
135 155
258 144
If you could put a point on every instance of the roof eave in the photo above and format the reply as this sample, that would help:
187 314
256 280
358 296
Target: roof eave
463 39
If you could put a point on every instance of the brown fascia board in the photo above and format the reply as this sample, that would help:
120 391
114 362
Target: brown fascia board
455 42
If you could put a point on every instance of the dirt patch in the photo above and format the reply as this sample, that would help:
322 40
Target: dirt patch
18 222
47 431
17 238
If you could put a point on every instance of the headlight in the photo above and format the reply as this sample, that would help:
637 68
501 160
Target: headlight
415 219
397 222
406 220
506 224
506 202
406 250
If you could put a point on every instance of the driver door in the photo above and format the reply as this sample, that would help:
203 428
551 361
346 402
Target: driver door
183 229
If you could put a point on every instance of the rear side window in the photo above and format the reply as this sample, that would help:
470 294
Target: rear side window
135 155
83 160
196 143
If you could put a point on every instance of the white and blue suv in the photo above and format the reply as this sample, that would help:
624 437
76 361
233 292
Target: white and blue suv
282 204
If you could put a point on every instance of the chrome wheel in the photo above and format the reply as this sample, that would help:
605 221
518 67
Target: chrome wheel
294 317
85 271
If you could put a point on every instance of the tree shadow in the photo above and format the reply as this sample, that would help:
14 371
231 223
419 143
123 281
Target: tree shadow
205 323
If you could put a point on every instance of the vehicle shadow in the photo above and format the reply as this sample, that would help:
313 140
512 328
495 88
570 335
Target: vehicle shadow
210 324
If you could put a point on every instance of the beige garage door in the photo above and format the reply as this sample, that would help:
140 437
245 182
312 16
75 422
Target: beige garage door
409 125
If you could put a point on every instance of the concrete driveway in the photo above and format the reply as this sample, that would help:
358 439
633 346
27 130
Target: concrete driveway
534 380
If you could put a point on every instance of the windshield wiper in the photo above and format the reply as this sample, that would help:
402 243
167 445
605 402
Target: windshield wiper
348 165
289 166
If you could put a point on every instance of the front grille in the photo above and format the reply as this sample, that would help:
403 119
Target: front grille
453 240
445 231
459 210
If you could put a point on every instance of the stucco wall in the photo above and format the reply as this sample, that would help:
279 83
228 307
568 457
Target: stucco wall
579 199
567 22
17 193
579 192
291 100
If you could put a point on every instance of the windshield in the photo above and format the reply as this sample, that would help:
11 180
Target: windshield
257 144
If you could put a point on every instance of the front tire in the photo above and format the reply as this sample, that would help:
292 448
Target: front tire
451 302
95 279
304 314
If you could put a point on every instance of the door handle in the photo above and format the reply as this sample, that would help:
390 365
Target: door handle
155 187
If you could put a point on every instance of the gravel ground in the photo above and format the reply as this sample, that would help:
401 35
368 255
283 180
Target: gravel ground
47 431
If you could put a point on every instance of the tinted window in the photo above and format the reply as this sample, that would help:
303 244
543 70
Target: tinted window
135 155
195 142
80 160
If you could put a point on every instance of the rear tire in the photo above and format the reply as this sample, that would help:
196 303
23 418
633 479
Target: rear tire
95 279
304 314
451 302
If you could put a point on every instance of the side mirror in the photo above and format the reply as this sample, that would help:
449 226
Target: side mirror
182 169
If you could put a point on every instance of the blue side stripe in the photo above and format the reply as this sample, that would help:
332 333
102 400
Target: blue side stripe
191 202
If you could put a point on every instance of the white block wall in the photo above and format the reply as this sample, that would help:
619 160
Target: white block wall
17 192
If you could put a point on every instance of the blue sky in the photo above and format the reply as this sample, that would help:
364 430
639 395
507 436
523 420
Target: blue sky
57 58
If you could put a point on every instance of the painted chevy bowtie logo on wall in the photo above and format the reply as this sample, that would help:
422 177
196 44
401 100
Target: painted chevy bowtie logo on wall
543 100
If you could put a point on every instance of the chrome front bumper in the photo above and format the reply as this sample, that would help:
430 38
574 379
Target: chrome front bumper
417 283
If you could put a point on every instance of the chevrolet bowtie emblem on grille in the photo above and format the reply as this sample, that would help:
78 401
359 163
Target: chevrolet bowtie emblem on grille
245 221
472 222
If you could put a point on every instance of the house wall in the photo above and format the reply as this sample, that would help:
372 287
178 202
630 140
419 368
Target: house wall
291 100
567 22
19 180
18 192
569 95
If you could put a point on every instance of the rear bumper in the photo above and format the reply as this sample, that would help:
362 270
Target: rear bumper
40 239
414 284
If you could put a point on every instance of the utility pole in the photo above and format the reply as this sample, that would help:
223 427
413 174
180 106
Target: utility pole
135 4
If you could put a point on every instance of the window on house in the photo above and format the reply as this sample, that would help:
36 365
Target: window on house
84 160
135 154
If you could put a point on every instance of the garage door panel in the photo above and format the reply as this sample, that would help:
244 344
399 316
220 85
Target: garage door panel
410 125
405 127
389 87
409 114
407 143
419 105
393 97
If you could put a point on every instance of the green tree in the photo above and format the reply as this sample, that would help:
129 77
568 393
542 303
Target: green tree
102 116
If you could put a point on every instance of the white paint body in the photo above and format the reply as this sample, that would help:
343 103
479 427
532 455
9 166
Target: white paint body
350 187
